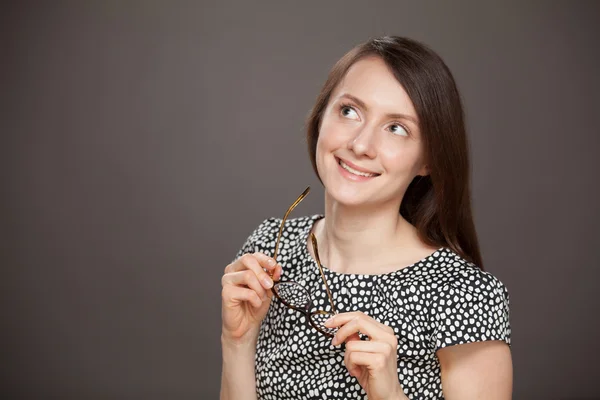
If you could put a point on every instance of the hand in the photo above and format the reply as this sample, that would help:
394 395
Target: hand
246 296
373 362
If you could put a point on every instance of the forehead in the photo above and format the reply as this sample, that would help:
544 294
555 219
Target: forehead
371 80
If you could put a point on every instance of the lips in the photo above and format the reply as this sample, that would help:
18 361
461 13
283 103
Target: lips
355 169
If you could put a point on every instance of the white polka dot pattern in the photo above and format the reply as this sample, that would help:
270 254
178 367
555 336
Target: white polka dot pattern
439 301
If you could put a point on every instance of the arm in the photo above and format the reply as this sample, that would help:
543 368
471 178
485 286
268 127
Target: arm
479 370
373 362
237 375
245 302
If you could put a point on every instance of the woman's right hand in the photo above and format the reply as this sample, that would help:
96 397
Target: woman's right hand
246 296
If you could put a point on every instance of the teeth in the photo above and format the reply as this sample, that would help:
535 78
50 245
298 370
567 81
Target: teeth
355 172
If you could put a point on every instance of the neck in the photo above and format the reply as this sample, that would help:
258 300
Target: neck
361 239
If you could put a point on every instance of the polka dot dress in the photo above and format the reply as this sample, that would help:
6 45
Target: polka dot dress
439 301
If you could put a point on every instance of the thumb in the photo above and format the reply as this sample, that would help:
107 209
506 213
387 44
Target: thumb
352 337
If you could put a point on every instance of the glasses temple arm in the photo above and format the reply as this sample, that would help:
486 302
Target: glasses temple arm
289 210
316 250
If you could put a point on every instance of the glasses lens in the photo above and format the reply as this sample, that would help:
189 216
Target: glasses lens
318 319
292 294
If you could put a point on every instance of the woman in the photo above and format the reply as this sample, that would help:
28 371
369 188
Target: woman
413 314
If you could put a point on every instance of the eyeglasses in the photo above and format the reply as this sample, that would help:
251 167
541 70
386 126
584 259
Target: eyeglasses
296 296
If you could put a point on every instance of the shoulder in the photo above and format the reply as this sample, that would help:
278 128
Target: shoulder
466 277
265 228
263 237
469 304
292 226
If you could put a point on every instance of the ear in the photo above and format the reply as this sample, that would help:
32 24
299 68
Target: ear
424 171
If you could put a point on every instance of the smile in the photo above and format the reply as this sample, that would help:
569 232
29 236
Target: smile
354 171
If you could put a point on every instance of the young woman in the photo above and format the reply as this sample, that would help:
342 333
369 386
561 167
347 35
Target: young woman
393 302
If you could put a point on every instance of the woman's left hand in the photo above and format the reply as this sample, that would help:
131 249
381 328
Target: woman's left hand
373 362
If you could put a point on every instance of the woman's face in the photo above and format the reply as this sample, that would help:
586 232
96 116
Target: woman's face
369 147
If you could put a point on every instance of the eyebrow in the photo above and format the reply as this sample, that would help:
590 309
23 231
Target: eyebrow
364 105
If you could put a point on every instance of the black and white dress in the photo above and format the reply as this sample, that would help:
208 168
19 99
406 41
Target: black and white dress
439 301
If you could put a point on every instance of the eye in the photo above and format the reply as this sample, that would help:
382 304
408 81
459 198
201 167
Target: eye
400 130
346 110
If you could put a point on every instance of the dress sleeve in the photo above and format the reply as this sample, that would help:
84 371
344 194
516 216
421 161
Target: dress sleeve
250 245
474 307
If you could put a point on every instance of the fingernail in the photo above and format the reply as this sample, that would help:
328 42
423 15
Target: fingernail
334 341
271 262
329 321
267 282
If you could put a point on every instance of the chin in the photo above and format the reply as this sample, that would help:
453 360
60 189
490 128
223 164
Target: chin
350 196
344 191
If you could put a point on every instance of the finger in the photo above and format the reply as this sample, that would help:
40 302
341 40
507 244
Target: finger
265 262
234 295
344 318
367 346
356 359
277 274
363 324
269 263
274 270
245 278
354 336
251 262
276 277
353 369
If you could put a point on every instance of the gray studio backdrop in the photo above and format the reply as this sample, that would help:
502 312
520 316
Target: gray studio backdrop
142 141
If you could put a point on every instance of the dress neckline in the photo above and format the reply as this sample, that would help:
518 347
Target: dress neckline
404 270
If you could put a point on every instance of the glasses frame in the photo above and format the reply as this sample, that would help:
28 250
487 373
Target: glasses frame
313 239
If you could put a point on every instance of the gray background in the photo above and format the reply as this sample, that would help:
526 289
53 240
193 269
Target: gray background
141 142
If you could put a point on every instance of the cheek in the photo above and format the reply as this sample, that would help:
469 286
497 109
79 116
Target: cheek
327 139
326 134
319 154
333 136
401 159
327 143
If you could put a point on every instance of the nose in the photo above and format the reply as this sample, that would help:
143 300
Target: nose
364 142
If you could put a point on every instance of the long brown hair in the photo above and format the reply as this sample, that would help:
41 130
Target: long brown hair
439 204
